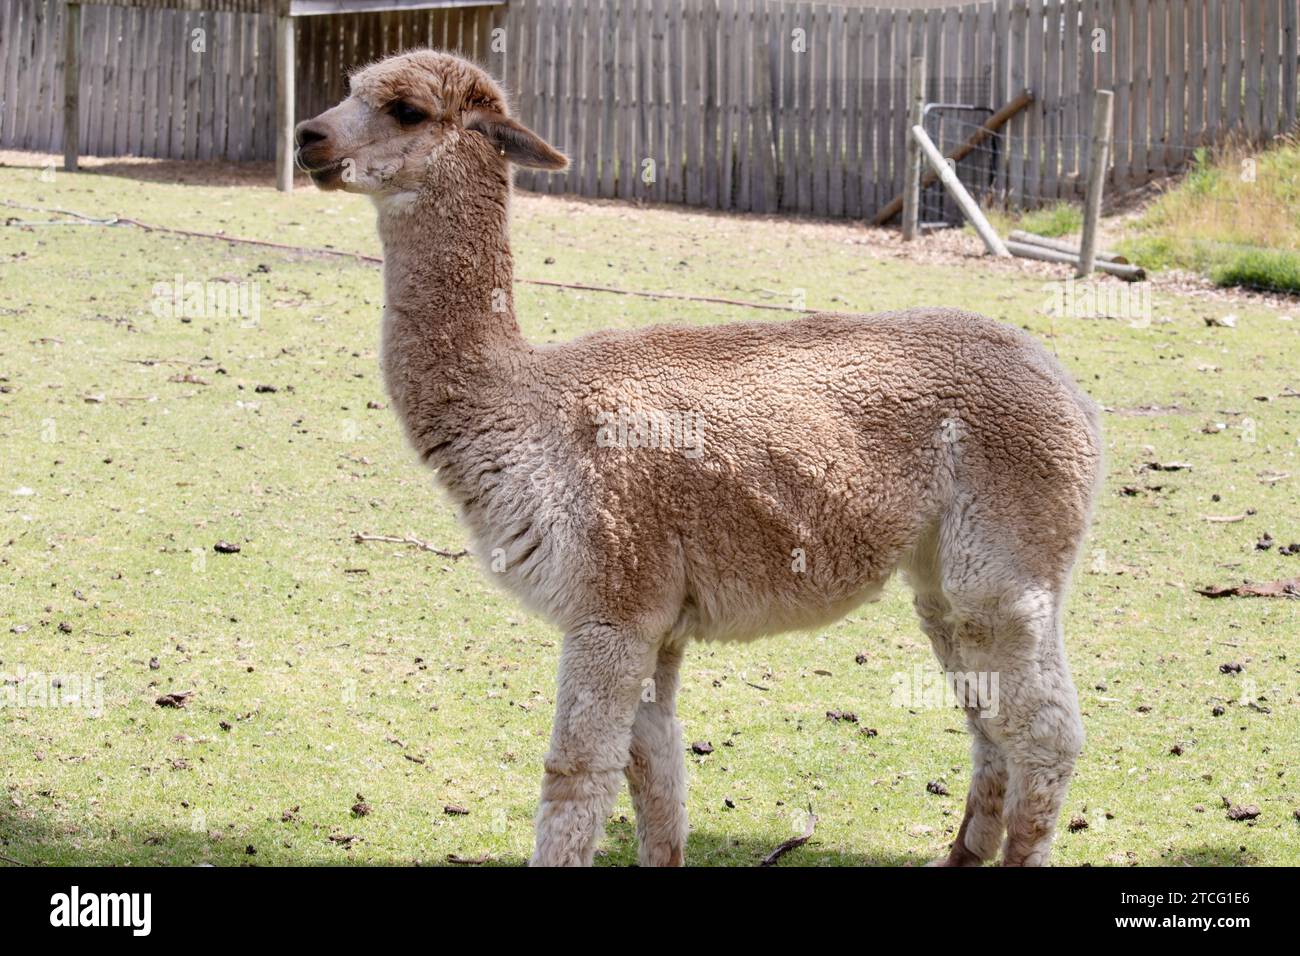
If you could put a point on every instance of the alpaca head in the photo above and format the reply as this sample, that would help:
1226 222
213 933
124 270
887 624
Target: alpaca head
422 120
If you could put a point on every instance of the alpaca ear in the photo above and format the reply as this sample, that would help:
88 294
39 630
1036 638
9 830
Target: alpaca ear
514 141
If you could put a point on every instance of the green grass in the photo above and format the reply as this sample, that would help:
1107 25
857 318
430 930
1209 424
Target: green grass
341 668
1056 221
1234 217
1276 269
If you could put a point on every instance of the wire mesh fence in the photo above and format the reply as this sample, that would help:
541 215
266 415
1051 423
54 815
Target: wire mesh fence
949 126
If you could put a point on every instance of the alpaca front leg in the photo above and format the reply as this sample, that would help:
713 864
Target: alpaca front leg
601 674
656 771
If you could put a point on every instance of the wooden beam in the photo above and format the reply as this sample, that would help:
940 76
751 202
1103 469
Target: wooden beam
987 129
948 176
284 67
71 86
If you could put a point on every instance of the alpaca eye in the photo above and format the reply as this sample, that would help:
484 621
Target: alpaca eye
406 114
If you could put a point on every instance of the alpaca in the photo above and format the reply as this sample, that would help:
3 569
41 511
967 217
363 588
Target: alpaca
642 488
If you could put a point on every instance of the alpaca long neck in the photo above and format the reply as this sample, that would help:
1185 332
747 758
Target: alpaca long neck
450 334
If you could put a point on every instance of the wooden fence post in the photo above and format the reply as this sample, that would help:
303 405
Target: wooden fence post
284 67
1097 161
912 167
71 86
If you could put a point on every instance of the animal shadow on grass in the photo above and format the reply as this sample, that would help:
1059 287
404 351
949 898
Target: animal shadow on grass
178 846
23 827
23 830
28 840
709 848
1208 856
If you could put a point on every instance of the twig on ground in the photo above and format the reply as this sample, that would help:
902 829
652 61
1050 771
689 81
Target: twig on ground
168 361
793 842
361 537
468 860
1285 588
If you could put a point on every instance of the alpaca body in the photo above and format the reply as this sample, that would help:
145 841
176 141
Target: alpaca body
642 488
767 521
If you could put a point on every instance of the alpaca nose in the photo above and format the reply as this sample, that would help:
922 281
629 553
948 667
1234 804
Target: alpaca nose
309 132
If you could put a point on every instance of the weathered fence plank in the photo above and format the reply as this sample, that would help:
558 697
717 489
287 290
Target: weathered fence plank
1232 75
1290 14
1272 86
883 186
1051 85
674 189
1195 130
765 47
1213 68
1072 71
852 164
1020 129
1251 32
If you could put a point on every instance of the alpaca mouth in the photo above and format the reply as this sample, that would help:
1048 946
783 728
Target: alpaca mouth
319 172
326 176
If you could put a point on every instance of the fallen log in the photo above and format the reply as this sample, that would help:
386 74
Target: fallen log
1026 250
1060 245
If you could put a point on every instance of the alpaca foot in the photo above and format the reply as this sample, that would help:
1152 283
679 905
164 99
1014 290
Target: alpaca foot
571 817
958 856
661 854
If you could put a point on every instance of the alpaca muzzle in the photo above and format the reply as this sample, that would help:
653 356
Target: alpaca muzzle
313 152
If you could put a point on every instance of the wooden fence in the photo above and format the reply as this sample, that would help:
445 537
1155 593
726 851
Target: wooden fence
763 105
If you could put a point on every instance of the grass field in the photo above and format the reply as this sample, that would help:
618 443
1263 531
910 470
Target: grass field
321 668
1235 218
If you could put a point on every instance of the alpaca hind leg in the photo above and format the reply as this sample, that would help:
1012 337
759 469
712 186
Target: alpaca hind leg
1032 716
1004 581
980 832
1041 734
600 681
656 772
